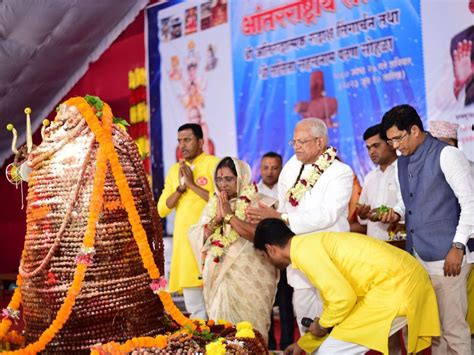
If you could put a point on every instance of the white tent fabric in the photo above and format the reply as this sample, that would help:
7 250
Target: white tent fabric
46 46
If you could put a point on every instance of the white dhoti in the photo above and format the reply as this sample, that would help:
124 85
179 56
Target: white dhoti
194 302
306 303
333 346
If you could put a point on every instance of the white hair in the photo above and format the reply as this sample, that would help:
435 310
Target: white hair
316 126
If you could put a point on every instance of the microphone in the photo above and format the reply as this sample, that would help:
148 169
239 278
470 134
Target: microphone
306 322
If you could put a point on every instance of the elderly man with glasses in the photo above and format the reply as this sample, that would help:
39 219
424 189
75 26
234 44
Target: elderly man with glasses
437 201
314 190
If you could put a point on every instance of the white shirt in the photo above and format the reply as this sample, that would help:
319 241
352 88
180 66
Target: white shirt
472 169
457 172
380 188
265 190
323 208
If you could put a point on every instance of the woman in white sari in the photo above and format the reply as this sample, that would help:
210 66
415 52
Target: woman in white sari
239 282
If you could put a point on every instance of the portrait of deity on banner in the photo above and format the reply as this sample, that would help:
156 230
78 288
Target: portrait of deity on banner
194 86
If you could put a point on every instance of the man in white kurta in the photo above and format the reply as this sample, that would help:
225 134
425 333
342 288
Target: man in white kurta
380 187
322 207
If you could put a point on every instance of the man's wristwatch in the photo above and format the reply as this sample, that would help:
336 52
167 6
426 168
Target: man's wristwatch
284 217
458 245
228 217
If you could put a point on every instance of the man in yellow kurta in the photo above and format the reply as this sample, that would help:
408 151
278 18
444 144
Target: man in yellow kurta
187 188
370 289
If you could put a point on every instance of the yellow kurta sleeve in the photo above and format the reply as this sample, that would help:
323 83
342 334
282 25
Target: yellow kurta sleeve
169 188
339 298
310 343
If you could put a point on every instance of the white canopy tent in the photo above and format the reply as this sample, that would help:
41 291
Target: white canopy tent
46 46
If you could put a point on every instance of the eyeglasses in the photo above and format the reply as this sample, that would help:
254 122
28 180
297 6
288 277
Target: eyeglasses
300 142
397 140
226 179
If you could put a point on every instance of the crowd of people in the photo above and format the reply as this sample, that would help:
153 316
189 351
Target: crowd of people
232 237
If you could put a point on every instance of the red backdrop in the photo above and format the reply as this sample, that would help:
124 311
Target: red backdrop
107 78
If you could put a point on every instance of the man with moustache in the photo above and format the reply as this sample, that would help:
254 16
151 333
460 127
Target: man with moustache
314 189
379 187
270 168
188 186
437 201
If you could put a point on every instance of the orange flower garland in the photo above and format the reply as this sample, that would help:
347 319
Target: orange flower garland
14 338
159 342
14 305
126 196
106 152
89 238
121 181
174 311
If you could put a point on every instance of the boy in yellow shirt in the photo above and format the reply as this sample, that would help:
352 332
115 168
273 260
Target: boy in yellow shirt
370 289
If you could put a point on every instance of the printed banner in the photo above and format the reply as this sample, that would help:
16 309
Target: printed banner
449 56
190 71
346 62
249 70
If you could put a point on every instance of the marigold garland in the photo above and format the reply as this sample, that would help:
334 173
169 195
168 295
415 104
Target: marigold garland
106 152
220 241
14 338
95 208
174 311
89 238
160 342
14 305
126 196
128 202
216 347
311 176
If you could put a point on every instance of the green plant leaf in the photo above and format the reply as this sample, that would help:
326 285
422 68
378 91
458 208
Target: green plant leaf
121 121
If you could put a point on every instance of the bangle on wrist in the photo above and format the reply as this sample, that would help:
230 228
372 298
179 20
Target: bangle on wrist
178 189
211 224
